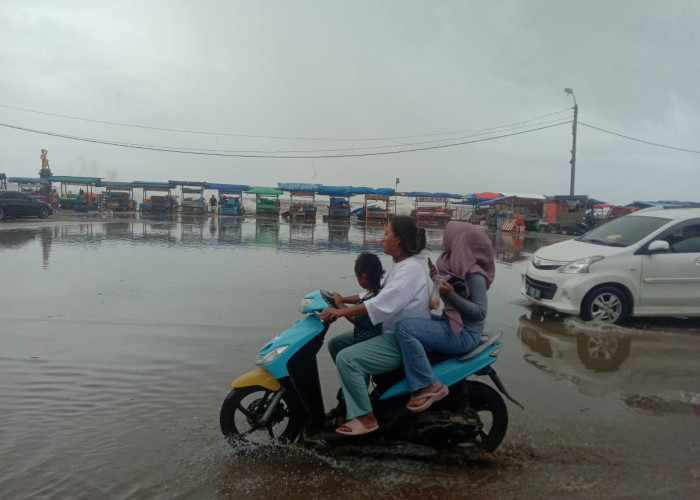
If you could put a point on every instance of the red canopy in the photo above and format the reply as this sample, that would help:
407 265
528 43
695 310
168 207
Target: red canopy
487 195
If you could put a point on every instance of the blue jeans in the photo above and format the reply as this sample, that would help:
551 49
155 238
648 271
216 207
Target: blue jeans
415 336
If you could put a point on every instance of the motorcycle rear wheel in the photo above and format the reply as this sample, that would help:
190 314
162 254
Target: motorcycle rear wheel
492 412
243 407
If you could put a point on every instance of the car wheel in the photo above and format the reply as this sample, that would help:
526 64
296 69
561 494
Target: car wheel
43 212
607 304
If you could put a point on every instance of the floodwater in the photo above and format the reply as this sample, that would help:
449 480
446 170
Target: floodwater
120 337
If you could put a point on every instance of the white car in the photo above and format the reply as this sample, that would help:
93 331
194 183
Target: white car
643 264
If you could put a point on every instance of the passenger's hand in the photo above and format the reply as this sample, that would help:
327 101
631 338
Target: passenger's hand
338 299
445 288
432 269
329 313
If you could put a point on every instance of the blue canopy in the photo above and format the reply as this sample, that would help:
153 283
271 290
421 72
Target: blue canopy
151 185
336 190
389 191
448 195
187 183
298 186
233 188
363 190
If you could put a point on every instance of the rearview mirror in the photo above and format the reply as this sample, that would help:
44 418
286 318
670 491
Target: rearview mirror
659 246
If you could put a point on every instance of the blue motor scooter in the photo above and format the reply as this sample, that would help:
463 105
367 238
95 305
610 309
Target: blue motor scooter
281 400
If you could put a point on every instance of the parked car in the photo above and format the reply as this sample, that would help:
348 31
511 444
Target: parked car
643 264
16 204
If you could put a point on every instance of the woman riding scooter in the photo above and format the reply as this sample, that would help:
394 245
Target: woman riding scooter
404 295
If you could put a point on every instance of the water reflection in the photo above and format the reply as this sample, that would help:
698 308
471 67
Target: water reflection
190 231
301 233
267 232
230 230
16 238
651 370
338 233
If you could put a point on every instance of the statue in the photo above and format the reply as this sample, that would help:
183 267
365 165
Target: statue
44 159
45 171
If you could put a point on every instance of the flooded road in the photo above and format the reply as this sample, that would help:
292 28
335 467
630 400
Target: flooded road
120 338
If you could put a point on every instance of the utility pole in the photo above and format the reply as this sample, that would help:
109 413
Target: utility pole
573 146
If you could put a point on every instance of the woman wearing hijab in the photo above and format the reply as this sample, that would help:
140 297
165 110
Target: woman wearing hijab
467 264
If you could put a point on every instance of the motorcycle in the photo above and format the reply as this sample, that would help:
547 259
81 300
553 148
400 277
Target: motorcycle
280 401
581 227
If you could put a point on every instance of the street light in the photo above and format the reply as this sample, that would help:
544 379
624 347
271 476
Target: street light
573 147
396 187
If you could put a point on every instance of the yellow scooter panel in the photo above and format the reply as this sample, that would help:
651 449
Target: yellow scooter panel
258 376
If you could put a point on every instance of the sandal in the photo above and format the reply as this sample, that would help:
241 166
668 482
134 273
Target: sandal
430 398
356 427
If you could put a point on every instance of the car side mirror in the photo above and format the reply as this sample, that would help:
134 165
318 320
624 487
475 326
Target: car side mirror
659 246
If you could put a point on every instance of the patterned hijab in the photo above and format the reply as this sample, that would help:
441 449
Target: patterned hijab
466 250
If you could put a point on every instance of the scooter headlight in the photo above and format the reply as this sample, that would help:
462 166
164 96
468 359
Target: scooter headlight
263 359
581 265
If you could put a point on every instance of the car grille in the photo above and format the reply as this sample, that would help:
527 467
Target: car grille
548 265
543 289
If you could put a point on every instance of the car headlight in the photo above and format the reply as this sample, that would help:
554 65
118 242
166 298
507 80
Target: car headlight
581 265
305 302
263 359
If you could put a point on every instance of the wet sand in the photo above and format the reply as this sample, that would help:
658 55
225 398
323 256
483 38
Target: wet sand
120 338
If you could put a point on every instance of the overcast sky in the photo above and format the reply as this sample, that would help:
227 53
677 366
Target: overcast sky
355 77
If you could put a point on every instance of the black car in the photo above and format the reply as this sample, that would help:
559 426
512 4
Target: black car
16 204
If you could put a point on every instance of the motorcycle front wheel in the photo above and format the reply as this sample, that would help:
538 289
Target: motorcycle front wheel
241 413
492 412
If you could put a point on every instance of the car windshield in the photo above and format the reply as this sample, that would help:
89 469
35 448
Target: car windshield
624 231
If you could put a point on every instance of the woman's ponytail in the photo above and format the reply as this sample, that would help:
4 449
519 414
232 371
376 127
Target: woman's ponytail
412 238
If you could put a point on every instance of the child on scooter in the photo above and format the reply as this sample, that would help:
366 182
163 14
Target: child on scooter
368 271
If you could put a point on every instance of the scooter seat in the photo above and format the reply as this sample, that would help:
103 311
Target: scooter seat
487 340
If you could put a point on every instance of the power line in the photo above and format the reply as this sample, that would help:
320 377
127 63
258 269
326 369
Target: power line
185 131
275 156
639 140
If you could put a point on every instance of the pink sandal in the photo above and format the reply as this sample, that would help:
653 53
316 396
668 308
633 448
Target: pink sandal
430 398
356 427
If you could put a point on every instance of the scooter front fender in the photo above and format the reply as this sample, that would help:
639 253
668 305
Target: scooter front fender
258 376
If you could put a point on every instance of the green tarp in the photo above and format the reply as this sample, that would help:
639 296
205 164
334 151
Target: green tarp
264 190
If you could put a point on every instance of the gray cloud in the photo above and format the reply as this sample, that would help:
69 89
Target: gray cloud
358 70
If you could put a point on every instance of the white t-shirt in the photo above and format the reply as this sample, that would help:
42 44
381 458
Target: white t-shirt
404 294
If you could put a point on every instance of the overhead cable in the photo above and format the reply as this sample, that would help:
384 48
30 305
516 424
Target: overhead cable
639 140
145 127
271 155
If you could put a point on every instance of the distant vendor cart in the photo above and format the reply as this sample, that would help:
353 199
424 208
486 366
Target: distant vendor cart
77 193
375 210
193 202
230 198
117 196
302 200
431 209
157 197
267 200
339 202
